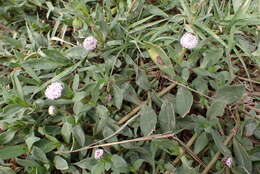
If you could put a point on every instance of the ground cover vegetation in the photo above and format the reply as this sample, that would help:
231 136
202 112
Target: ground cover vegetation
129 86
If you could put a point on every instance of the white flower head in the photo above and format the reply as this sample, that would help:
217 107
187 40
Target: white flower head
54 91
90 43
51 110
228 161
98 153
189 41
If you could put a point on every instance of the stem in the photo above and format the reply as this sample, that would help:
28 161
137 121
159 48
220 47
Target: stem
190 152
228 139
189 144
135 110
181 55
146 138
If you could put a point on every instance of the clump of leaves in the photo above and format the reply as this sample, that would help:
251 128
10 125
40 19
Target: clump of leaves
151 105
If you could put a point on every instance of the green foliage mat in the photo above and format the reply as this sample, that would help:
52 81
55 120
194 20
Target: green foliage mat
151 105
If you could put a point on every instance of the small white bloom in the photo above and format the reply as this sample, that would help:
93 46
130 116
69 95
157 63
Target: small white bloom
90 43
51 110
54 90
228 161
98 153
189 41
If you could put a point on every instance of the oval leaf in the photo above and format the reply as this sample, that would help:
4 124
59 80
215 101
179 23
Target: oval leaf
184 101
60 163
148 120
167 117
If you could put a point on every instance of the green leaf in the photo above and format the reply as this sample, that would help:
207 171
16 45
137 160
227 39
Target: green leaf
186 10
217 108
13 42
66 131
75 84
119 163
99 168
87 163
57 77
219 143
118 96
250 129
160 58
130 94
146 26
134 25
39 155
142 80
242 157
148 120
107 131
171 147
79 134
27 163
156 11
184 101
102 116
210 32
60 163
236 4
212 56
30 140
56 56
81 107
6 170
31 72
138 163
12 151
17 84
241 11
230 94
201 143
167 117
45 145
7 136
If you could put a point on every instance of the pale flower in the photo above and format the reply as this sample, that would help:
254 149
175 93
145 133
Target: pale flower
98 153
90 43
189 41
51 110
228 161
54 91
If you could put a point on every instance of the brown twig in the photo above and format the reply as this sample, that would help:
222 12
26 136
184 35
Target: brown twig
189 144
250 115
256 94
249 80
135 110
228 139
146 138
132 6
5 28
190 152
253 108
215 158
193 90
116 132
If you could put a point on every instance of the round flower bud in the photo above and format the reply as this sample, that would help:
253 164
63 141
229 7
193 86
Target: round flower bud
98 153
51 110
54 91
189 41
2 126
228 161
90 43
